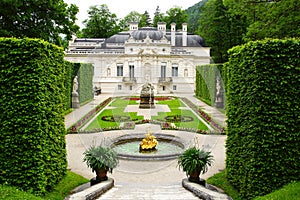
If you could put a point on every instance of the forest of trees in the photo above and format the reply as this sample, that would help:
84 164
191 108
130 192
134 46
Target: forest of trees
222 23
227 23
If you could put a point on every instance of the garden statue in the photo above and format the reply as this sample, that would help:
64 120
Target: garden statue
147 96
75 84
149 143
75 96
219 102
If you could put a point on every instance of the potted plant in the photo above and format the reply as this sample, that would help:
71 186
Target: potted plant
194 161
100 159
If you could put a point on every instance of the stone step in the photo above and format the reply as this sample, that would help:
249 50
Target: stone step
148 192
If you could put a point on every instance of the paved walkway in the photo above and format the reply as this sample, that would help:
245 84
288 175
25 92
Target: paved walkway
143 179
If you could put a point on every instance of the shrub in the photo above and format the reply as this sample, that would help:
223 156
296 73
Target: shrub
206 76
263 110
85 89
32 139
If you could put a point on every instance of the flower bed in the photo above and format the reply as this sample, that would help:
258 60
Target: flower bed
211 121
179 118
204 115
115 118
155 98
88 116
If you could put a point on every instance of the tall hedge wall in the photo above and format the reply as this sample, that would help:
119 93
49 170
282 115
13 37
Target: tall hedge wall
32 139
263 110
71 71
85 80
206 81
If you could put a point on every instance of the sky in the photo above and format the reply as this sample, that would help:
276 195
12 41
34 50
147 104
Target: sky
123 7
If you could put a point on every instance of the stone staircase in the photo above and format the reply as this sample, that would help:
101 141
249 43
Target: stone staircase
129 191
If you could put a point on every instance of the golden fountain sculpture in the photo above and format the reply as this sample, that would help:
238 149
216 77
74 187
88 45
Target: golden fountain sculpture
149 143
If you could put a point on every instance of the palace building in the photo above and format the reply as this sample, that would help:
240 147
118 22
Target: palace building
124 62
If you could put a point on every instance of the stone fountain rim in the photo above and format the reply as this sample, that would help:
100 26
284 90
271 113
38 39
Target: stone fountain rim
140 136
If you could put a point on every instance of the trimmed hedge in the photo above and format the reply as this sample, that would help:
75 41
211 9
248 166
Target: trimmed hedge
206 76
32 139
263 110
85 74
71 71
85 80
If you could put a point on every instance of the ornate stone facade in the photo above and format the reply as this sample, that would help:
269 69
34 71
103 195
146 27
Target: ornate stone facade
126 61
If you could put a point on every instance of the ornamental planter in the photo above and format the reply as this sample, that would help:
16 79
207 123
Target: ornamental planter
195 178
100 159
194 161
101 175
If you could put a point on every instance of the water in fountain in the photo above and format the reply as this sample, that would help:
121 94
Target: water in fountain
127 147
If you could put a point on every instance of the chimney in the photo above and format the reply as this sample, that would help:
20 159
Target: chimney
162 26
133 26
184 34
173 32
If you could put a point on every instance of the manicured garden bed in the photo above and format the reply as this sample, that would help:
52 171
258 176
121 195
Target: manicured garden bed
114 116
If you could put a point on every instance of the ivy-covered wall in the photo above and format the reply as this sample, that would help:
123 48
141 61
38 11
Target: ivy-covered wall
32 139
263 110
85 80
206 81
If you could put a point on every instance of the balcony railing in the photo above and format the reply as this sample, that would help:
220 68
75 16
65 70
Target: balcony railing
165 80
129 80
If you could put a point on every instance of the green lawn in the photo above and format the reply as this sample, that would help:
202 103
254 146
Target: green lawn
63 189
173 103
122 103
99 123
288 192
196 123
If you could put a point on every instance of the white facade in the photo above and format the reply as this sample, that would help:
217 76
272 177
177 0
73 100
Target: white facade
127 60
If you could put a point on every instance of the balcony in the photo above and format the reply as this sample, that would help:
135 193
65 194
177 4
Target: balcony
165 80
129 80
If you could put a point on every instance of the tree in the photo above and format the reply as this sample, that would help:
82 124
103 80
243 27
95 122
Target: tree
101 23
278 19
146 20
214 28
158 17
267 18
133 16
43 19
194 14
177 15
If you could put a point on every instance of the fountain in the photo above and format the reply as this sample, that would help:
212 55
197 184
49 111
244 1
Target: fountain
147 96
149 143
158 146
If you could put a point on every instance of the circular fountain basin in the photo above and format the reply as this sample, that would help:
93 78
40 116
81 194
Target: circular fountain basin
127 146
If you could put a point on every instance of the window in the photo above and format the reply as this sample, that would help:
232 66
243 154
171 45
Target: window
119 69
174 87
119 87
163 70
164 88
131 70
130 87
174 70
